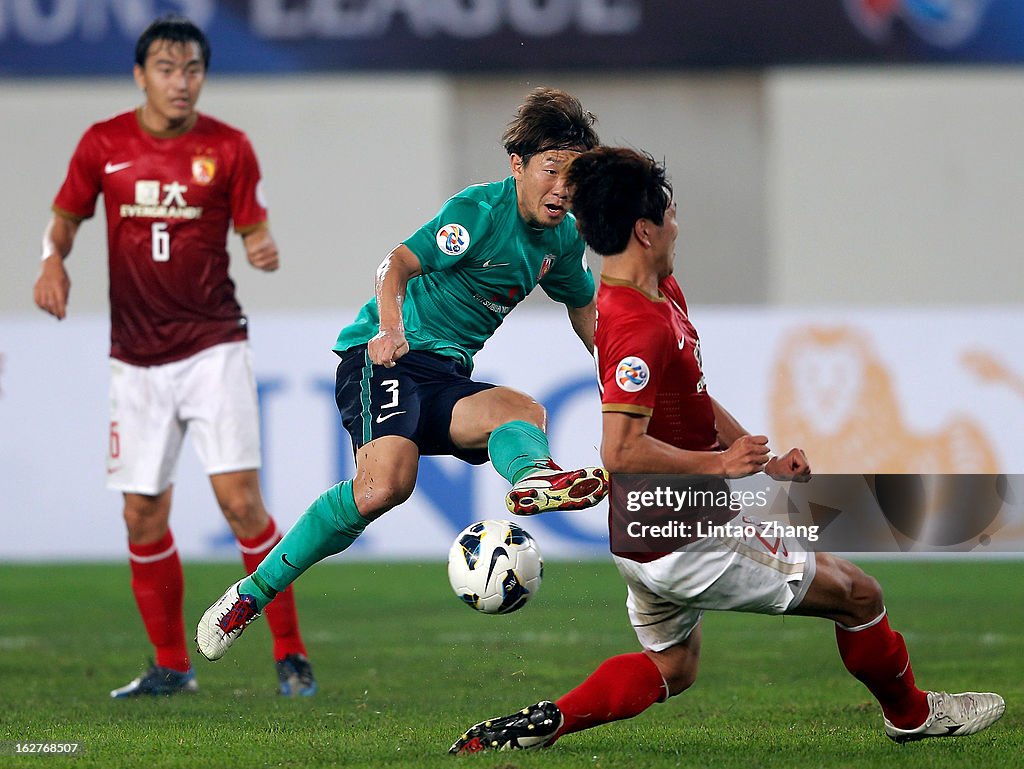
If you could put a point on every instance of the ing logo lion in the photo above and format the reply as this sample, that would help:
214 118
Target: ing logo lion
832 397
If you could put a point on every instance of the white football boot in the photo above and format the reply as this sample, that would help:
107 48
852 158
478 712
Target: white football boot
952 715
223 622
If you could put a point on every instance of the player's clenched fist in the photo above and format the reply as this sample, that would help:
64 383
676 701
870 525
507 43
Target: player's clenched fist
791 466
387 347
746 456
261 250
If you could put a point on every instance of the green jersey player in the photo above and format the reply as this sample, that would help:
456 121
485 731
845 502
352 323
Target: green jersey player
403 383
479 258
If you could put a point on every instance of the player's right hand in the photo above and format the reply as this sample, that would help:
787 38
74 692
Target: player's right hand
53 287
746 456
387 347
791 466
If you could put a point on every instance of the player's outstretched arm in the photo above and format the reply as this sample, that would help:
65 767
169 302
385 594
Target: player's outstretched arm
393 276
53 286
261 250
583 320
627 448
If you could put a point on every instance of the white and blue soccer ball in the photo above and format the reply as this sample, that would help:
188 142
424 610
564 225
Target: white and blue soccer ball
495 567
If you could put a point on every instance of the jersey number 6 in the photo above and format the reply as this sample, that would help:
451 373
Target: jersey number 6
161 242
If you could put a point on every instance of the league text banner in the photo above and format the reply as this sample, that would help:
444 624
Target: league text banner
95 37
833 513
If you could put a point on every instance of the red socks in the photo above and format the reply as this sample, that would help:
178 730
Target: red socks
159 589
280 613
626 685
621 687
877 656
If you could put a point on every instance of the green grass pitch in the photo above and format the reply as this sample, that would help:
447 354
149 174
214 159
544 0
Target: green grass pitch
404 667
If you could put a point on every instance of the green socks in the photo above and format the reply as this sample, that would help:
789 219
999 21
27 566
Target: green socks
328 526
517 449
332 522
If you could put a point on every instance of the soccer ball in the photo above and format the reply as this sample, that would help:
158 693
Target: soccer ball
495 567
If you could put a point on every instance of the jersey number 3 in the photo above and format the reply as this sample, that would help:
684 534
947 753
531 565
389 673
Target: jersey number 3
161 242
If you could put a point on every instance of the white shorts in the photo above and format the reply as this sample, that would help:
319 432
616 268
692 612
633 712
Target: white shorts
667 597
212 394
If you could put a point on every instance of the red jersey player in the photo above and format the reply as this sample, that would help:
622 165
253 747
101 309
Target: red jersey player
659 418
173 181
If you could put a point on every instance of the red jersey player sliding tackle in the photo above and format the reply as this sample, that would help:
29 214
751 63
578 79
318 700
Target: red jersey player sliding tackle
662 419
172 180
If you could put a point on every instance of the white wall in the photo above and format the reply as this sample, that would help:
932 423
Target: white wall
895 187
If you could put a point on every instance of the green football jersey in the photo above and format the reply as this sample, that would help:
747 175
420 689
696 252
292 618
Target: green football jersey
479 260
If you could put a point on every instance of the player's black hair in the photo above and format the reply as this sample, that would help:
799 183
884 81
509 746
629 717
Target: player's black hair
549 119
175 29
610 189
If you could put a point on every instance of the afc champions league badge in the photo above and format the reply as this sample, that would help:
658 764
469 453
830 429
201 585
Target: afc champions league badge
632 374
453 239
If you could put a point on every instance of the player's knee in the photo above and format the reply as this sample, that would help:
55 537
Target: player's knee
145 519
516 406
534 413
243 509
866 596
381 496
678 667
860 595
678 681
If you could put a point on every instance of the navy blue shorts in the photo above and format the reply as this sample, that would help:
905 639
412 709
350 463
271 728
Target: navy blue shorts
413 399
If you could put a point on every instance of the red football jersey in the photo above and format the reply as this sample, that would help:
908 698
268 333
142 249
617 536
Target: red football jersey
169 202
648 360
648 363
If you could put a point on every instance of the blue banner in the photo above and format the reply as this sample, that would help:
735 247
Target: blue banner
96 37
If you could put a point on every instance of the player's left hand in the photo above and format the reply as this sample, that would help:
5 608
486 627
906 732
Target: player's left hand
791 466
387 346
261 250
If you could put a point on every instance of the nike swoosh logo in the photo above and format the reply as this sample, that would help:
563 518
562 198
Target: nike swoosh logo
498 553
386 417
113 168
682 343
284 557
488 264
